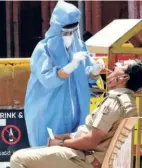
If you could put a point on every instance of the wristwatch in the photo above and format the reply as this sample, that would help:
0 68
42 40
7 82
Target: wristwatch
62 143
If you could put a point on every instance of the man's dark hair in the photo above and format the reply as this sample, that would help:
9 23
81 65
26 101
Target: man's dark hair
135 73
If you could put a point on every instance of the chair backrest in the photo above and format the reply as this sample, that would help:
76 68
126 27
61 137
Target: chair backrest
120 136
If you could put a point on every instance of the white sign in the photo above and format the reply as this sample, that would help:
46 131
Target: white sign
4 164
2 122
50 133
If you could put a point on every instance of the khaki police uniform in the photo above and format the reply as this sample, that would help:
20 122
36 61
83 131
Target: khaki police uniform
118 104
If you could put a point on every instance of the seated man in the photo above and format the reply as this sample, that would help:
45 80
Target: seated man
86 147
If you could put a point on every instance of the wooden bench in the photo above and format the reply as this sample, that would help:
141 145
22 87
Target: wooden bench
120 145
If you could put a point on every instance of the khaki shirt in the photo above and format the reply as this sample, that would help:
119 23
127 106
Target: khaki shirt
107 117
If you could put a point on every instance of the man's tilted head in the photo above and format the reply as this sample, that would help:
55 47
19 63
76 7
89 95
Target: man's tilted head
126 74
134 71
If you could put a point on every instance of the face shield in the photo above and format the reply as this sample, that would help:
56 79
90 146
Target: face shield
124 63
68 35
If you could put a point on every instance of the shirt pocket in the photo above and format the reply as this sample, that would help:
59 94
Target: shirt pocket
107 107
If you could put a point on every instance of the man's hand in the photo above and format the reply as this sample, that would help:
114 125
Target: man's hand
62 136
58 137
86 142
55 142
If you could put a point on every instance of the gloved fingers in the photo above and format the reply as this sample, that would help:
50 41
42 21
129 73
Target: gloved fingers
101 62
96 69
82 57
90 54
79 56
81 53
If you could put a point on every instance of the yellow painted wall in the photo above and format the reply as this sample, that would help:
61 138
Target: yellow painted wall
14 74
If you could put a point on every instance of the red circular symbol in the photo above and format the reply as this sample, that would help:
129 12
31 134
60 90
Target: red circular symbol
10 129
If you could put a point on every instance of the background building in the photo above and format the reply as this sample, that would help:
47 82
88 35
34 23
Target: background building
24 23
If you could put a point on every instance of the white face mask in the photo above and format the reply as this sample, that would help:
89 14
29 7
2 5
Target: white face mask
68 40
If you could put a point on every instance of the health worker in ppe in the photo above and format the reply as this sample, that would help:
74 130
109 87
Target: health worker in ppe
57 93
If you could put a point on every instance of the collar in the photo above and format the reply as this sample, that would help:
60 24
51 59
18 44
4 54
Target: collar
120 91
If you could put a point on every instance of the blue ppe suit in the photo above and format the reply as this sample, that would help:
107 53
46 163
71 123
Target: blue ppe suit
61 105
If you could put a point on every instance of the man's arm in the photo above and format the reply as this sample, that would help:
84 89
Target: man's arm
63 136
86 142
102 123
